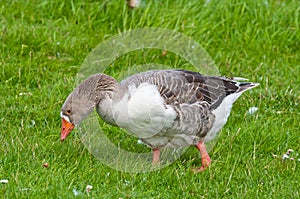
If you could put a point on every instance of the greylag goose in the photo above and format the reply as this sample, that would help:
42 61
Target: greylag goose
163 108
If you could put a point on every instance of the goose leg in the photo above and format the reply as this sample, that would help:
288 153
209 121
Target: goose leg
156 156
204 155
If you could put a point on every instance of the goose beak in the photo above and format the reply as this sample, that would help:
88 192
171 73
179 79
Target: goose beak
66 129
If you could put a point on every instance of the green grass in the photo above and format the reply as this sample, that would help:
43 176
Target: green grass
43 44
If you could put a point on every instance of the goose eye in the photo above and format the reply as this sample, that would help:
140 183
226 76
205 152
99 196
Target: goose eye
69 112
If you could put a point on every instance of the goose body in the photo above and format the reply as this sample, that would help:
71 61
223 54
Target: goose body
164 108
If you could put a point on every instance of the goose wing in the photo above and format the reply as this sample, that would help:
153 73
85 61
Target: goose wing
187 87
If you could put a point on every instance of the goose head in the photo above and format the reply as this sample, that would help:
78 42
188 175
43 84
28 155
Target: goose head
82 101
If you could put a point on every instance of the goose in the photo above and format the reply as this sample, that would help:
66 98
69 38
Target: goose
163 108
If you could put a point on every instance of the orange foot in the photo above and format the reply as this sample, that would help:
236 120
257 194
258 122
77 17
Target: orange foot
205 157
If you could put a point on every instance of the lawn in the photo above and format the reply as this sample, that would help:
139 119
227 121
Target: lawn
44 44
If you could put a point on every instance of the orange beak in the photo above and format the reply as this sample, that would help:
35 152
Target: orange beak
66 129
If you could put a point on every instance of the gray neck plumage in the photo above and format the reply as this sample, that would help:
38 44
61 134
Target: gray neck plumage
97 87
89 94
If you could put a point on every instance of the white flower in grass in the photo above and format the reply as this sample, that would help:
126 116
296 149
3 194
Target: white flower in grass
75 192
134 3
289 151
285 156
4 181
252 110
88 188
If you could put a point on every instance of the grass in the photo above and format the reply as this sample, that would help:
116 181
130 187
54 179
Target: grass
43 44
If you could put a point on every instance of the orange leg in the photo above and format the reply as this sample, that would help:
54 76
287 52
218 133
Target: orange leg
204 155
156 156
